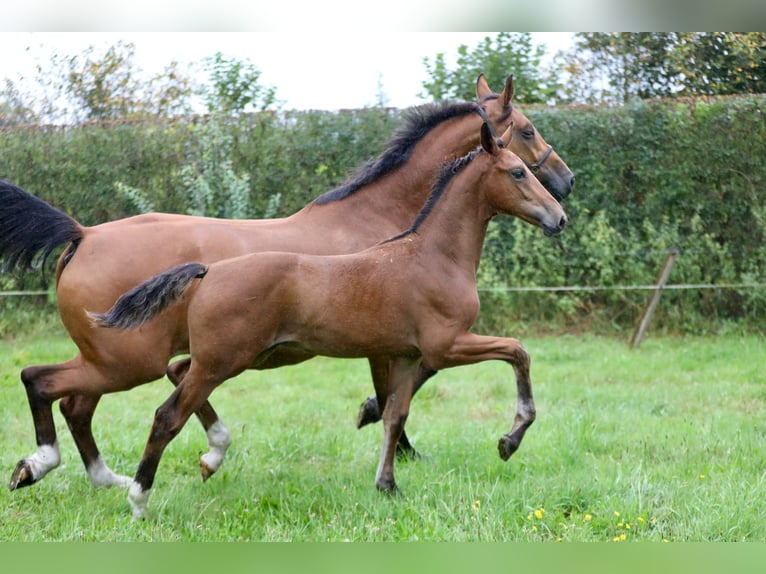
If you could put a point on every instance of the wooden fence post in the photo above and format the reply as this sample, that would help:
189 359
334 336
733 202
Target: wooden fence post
662 279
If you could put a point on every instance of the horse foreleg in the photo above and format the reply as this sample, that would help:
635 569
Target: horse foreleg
402 373
469 349
218 436
78 412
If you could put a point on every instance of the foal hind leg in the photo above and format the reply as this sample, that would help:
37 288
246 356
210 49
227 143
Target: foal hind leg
469 349
169 419
218 436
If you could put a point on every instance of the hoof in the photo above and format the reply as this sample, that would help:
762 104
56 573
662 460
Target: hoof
506 446
206 470
22 476
389 489
406 453
368 413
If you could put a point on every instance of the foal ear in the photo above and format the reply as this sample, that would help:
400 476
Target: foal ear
482 88
488 141
507 94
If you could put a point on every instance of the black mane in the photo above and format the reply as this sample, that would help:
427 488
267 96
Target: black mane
418 122
448 171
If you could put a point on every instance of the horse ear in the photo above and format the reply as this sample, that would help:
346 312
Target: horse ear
508 91
482 88
507 135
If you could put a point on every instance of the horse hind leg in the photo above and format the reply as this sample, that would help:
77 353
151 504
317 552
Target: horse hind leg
218 436
32 469
78 412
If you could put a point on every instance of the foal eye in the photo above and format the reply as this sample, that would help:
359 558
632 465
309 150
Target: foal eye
528 134
518 174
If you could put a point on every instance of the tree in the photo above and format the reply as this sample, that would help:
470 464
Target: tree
621 66
109 87
718 63
14 109
497 58
234 86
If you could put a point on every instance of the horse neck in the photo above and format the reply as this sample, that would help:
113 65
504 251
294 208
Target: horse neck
400 195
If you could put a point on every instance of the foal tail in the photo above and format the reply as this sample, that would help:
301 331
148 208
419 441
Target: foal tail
30 228
151 297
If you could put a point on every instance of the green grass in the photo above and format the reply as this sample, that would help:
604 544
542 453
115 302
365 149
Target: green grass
665 442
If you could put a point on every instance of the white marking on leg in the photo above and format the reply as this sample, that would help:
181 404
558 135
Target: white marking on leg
102 476
138 499
45 459
218 440
525 409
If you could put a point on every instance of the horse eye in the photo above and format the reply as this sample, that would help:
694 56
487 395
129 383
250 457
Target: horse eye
518 174
528 134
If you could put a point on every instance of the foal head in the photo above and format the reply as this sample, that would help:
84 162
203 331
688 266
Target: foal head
510 188
526 141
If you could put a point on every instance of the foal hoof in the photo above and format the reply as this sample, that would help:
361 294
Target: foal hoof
389 489
22 476
368 413
506 446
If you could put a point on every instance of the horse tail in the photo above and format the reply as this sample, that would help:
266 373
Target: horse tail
30 229
151 297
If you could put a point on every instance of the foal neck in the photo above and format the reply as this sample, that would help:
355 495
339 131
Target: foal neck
454 221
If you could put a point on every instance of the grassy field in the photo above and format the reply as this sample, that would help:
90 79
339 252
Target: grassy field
662 443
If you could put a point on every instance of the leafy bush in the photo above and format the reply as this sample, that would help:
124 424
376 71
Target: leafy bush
650 176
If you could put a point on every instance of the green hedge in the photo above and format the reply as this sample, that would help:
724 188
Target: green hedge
650 176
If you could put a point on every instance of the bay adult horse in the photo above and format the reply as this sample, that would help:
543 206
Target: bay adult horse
411 299
103 261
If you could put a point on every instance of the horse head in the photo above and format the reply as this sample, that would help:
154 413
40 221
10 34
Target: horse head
526 142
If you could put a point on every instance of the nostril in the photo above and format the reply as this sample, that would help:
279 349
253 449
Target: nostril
571 181
563 221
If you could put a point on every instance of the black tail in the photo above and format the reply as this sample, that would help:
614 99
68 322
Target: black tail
30 228
148 299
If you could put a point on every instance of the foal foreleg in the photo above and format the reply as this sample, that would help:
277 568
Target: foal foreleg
371 409
218 436
470 348
401 380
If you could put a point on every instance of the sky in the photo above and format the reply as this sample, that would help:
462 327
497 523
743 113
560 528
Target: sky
325 71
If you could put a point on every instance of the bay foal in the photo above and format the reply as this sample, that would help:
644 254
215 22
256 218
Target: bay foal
410 300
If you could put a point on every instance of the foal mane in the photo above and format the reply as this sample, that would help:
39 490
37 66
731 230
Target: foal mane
448 171
418 122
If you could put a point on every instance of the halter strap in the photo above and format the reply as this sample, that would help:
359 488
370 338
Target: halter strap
536 166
